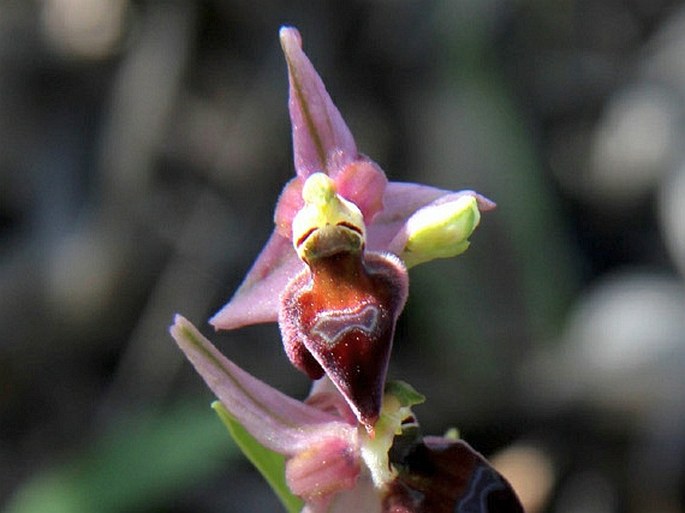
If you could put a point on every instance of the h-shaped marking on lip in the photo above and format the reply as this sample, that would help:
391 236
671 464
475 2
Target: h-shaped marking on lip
333 325
482 483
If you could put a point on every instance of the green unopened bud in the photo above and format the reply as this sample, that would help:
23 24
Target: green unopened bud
440 231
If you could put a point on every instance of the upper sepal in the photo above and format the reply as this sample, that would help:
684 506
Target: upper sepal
321 139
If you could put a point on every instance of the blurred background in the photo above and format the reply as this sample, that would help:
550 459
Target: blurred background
143 145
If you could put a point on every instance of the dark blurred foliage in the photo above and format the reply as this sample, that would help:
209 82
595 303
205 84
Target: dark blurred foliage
143 146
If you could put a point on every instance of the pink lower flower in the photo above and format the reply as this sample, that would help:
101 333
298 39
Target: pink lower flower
333 464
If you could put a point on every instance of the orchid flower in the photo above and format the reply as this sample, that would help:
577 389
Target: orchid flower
336 467
334 276
416 222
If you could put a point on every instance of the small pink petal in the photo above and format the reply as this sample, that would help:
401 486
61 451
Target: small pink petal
256 300
319 130
289 203
400 201
363 183
276 420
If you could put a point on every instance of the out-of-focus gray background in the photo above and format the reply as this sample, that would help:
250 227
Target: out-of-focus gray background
142 148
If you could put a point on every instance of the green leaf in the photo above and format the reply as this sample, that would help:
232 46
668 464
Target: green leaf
269 463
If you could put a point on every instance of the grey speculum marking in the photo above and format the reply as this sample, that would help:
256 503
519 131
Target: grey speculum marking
333 325
482 483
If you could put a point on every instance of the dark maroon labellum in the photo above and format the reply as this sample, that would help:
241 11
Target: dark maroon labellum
448 476
338 317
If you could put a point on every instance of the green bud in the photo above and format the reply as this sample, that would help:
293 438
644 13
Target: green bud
440 231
